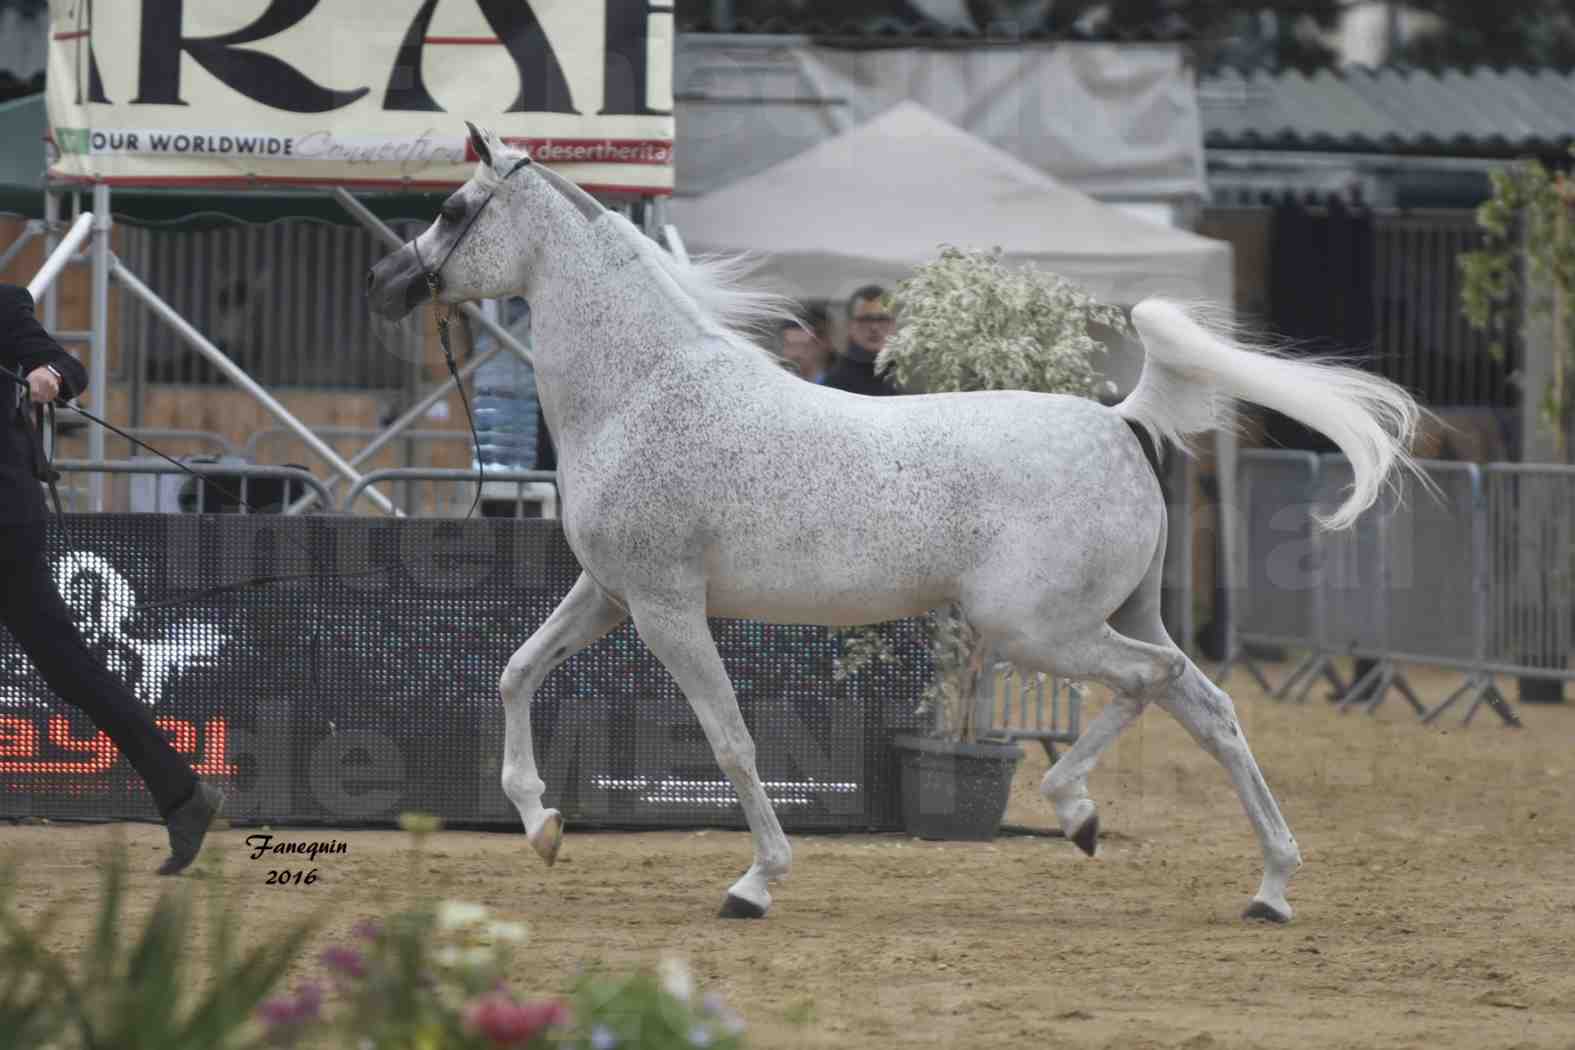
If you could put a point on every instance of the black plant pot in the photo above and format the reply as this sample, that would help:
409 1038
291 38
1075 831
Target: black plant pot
953 790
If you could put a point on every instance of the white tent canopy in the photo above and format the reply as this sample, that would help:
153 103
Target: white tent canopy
872 203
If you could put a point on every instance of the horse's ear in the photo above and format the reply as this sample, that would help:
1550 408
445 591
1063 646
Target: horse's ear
479 143
495 142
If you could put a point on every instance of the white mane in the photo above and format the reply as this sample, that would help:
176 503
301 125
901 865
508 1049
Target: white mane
715 285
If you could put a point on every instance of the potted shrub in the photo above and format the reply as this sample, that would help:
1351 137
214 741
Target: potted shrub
967 321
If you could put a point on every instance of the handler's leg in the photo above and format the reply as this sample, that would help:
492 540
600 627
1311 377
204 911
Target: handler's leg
43 626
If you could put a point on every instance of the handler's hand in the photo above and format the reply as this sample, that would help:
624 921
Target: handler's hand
44 385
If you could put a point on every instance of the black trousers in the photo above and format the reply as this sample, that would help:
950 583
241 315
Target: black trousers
38 618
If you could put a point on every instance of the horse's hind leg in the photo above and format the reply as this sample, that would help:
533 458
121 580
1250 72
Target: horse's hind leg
585 615
1208 714
1137 672
677 632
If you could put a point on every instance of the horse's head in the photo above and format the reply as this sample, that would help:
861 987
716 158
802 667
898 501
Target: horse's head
488 237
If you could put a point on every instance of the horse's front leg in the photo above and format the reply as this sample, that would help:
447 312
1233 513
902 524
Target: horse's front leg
585 615
681 638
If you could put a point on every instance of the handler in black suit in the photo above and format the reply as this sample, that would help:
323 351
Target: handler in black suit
33 610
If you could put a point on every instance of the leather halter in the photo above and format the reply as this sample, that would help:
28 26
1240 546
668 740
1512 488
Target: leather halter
434 277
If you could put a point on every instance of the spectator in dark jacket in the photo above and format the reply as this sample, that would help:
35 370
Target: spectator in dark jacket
33 610
870 324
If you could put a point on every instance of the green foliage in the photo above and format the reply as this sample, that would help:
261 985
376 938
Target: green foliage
1529 224
432 977
1505 33
970 322
136 992
967 321
861 647
651 1010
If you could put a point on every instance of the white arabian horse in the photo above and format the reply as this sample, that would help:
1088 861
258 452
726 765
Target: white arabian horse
698 477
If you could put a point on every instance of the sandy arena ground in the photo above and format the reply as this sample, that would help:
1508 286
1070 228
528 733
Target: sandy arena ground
1435 909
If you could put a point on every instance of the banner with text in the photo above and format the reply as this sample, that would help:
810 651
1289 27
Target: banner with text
367 684
359 92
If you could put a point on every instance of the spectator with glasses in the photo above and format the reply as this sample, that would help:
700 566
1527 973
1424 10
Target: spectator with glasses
870 324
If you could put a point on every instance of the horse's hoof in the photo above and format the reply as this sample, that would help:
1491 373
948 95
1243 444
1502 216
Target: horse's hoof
1087 835
548 838
738 908
1265 912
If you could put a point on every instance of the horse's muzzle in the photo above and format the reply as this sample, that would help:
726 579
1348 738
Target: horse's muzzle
396 285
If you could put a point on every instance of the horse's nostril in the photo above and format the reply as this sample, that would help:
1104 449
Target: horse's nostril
370 277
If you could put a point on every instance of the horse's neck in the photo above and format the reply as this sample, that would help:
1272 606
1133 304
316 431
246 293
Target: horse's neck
605 323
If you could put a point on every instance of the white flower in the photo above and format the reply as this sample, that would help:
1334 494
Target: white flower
677 981
448 955
602 1038
699 1035
454 915
513 932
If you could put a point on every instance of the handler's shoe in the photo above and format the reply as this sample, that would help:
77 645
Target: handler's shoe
189 824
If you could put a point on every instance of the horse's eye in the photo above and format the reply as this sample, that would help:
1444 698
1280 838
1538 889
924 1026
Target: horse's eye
453 212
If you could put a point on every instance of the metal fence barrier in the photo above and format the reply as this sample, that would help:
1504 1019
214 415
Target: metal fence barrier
520 488
1281 561
239 478
1472 573
1030 706
1530 594
257 446
220 444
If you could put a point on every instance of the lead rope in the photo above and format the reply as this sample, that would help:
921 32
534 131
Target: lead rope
434 285
444 315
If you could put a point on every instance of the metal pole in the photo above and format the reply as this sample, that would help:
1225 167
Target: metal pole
238 376
404 422
1189 632
1232 560
58 258
29 231
361 214
51 302
98 380
675 243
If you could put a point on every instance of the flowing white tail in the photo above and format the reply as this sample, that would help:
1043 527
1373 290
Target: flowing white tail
1195 369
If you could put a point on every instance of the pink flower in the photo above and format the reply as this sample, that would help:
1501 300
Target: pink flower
310 999
347 961
286 1015
368 929
509 1024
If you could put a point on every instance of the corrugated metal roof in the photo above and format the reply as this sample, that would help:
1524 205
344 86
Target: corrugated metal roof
1475 112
